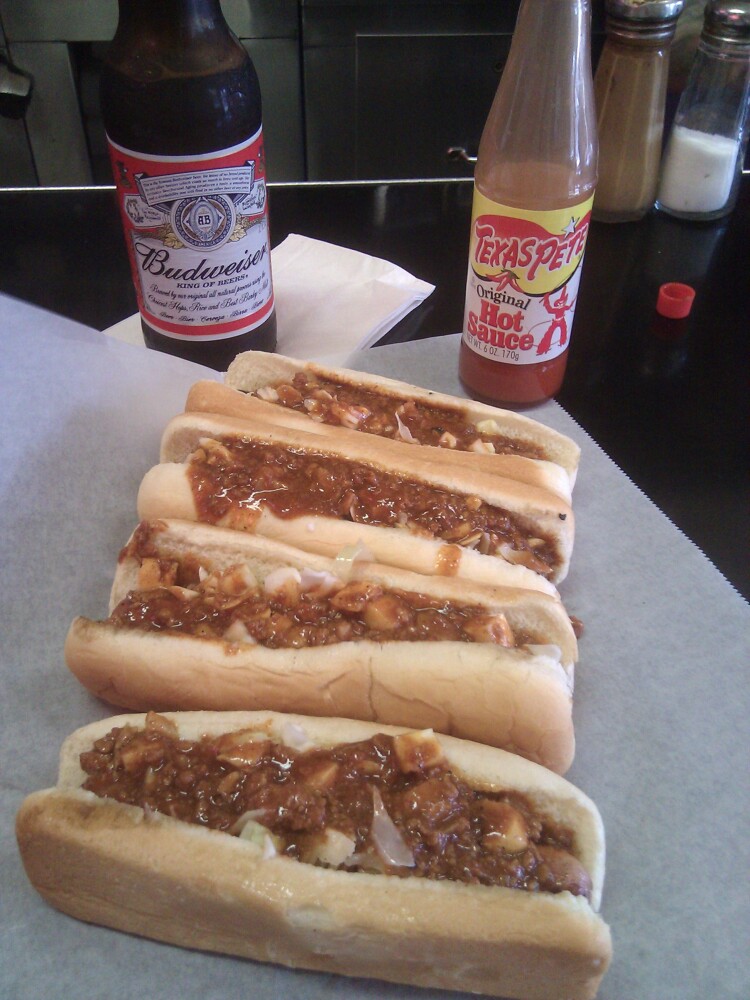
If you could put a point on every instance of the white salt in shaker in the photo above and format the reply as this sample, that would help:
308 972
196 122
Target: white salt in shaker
703 159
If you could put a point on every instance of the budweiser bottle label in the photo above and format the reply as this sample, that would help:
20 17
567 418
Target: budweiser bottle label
196 229
522 285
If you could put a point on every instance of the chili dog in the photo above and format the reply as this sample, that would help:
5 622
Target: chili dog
378 405
327 844
321 495
336 419
208 618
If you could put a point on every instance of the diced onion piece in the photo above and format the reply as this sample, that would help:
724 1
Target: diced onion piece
522 557
491 627
386 613
332 848
350 416
269 847
294 736
348 556
153 573
324 776
215 450
236 580
279 579
259 835
387 837
482 447
544 649
510 554
252 816
447 440
368 861
240 738
488 427
504 827
183 593
417 751
237 632
244 755
156 722
320 581
403 431
268 393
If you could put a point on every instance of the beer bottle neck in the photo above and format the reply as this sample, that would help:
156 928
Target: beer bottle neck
178 19
180 37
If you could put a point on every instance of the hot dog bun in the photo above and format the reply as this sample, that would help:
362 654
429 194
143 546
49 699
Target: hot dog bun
517 698
214 397
149 874
538 514
252 370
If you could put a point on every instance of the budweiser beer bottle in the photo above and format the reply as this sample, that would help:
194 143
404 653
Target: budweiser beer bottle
533 190
182 109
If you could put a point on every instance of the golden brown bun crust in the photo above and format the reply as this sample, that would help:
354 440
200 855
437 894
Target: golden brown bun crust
253 369
108 863
214 397
499 697
480 691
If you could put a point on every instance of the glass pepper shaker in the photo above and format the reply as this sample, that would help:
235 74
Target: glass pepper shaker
703 159
630 89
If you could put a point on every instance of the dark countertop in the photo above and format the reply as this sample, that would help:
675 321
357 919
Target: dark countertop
672 414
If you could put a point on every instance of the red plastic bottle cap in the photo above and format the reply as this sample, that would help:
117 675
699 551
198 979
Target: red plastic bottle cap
675 300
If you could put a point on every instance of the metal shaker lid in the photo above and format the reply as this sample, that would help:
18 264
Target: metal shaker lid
727 22
645 10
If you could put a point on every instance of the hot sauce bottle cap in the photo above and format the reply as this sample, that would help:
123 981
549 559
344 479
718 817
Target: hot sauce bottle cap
675 300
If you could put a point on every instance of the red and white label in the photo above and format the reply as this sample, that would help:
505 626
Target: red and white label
522 283
196 229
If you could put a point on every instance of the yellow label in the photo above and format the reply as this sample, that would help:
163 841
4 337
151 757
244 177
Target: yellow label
531 252
522 283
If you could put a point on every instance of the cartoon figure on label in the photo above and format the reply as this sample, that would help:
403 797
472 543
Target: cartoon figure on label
557 308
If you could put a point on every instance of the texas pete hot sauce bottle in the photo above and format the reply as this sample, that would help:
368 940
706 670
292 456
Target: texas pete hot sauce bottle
533 191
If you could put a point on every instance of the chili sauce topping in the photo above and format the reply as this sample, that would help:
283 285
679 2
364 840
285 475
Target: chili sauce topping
389 804
234 479
415 421
290 608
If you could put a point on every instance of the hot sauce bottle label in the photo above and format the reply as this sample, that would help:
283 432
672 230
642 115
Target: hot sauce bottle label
196 229
522 286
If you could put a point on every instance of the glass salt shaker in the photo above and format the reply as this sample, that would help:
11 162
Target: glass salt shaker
704 155
630 88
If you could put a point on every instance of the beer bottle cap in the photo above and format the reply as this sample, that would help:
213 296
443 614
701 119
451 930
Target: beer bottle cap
675 300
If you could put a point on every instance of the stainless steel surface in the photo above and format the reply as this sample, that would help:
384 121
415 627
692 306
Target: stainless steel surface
645 10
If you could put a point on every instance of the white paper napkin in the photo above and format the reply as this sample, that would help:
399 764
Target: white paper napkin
330 301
